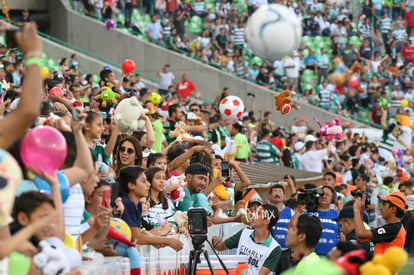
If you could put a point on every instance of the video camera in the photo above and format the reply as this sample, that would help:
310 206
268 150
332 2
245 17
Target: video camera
309 197
359 194
197 225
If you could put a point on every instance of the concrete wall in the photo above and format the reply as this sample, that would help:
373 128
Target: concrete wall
92 36
87 63
38 5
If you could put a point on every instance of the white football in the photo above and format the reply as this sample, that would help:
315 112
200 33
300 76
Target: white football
231 107
273 32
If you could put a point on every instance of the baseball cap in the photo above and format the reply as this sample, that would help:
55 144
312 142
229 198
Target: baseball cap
299 145
346 213
310 138
107 67
196 169
396 198
191 116
407 109
256 198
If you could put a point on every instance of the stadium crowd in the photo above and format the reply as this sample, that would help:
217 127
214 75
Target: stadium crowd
213 32
365 201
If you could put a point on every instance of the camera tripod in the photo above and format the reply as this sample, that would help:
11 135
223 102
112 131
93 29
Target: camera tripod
198 243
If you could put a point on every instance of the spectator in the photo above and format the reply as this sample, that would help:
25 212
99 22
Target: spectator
303 235
311 27
311 160
185 87
393 233
292 70
167 79
266 151
24 18
154 29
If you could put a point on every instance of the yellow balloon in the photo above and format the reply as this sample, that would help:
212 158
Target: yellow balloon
69 242
404 103
122 227
44 72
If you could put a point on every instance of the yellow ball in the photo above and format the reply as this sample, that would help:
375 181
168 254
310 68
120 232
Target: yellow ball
69 242
155 98
404 103
122 227
44 72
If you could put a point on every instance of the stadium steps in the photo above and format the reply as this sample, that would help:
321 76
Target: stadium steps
91 35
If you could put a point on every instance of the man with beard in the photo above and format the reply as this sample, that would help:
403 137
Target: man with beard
279 230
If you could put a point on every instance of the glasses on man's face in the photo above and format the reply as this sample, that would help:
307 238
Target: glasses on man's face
124 149
277 191
194 110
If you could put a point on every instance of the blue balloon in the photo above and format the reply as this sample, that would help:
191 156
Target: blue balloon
64 185
25 186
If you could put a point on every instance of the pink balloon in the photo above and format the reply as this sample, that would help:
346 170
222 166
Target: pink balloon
43 147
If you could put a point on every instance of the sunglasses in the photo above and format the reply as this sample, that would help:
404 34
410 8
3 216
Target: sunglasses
194 110
123 149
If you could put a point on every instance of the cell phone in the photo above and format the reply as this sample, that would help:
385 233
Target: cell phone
10 37
167 65
225 169
106 198
75 114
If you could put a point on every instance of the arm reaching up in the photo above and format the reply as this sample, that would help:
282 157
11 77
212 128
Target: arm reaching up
31 97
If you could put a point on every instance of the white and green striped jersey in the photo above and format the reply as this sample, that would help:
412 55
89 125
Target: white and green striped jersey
267 152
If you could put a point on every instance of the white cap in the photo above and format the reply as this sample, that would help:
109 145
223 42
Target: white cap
191 116
310 138
299 145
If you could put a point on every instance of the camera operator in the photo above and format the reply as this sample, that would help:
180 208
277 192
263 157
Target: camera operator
319 205
361 182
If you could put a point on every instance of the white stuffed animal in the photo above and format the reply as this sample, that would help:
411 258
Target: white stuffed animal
178 194
127 115
55 259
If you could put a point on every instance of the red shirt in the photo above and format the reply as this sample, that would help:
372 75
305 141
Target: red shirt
409 17
184 88
171 5
408 53
278 142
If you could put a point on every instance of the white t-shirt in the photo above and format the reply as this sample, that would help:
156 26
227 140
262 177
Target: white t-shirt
312 161
291 72
73 210
166 80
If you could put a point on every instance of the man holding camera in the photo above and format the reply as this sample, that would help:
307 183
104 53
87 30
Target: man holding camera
256 241
323 211
391 234
361 182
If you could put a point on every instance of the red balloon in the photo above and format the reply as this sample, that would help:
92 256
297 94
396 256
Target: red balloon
128 66
56 91
43 147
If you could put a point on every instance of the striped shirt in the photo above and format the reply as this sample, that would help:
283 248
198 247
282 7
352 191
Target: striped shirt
199 6
385 24
239 68
267 152
73 210
325 96
238 36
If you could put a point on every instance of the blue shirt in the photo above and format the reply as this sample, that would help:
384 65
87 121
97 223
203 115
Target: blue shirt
194 200
279 230
311 60
132 212
330 231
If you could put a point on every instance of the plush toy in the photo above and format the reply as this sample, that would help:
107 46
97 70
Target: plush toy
55 259
240 208
393 71
343 75
178 194
228 152
351 261
221 192
107 95
329 130
388 263
151 108
180 132
181 219
283 102
127 115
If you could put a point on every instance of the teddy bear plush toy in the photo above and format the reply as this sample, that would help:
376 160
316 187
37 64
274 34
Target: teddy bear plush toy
107 95
283 102
127 115
240 208
55 259
344 75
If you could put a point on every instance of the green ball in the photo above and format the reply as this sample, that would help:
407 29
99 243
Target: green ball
18 264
